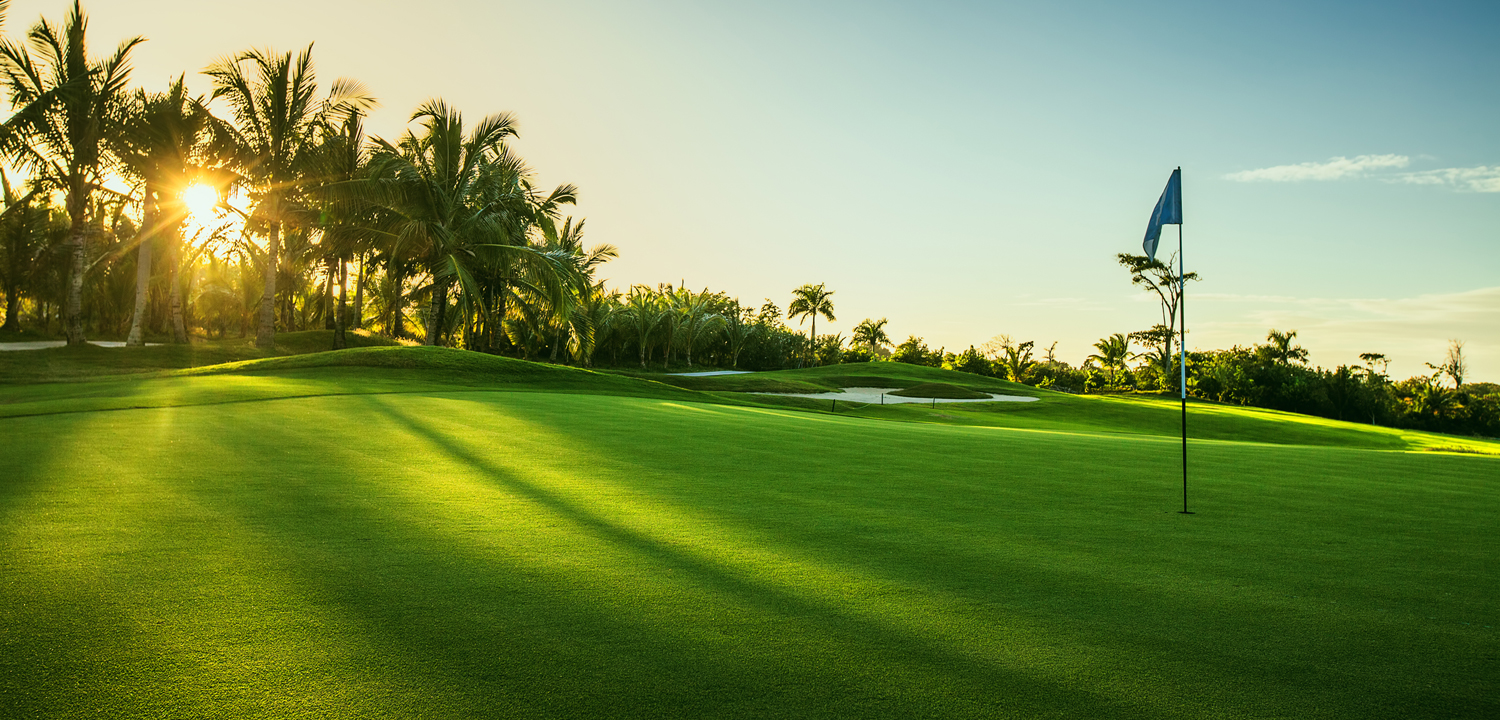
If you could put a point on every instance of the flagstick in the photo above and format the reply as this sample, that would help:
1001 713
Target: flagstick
1182 358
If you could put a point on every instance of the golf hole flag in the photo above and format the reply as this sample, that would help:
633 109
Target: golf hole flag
1168 212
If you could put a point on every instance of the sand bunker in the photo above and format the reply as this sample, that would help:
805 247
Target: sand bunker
873 395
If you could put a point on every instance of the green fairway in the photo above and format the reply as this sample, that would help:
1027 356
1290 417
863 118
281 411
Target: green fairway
414 532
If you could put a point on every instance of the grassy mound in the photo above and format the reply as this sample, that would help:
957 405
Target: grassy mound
90 361
356 371
942 391
753 383
834 377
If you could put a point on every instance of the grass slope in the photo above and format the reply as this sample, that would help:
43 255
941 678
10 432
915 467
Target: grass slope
356 371
940 390
81 363
1062 412
506 554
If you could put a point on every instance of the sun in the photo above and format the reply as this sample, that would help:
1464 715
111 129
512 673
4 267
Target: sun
202 202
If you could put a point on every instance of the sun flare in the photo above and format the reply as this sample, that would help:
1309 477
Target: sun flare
202 202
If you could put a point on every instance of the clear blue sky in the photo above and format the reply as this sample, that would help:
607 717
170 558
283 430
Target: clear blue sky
969 169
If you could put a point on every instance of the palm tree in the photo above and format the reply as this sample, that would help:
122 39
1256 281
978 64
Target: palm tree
169 141
593 321
341 157
829 349
644 313
460 201
811 301
698 320
68 113
1432 400
273 98
23 240
1016 359
871 334
567 241
1281 349
739 328
1113 352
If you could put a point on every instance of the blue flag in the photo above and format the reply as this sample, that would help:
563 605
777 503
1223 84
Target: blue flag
1168 212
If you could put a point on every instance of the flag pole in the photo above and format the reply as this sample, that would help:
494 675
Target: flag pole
1182 351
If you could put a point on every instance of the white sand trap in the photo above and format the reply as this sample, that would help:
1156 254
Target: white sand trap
872 395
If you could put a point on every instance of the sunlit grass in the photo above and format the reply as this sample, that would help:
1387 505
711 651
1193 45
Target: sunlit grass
532 554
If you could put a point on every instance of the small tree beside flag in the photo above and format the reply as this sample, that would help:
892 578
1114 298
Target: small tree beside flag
1169 212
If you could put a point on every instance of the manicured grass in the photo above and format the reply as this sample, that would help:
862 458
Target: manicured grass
410 538
65 363
941 391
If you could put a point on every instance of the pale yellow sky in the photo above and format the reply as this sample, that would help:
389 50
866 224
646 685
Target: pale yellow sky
963 169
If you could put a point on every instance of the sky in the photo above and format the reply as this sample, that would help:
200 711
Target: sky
966 169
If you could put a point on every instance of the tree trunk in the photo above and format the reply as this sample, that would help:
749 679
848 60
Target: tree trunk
495 328
142 272
435 314
142 285
328 321
359 295
341 315
73 311
12 309
265 334
174 295
812 341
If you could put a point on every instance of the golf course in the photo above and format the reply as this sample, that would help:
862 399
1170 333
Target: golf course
420 532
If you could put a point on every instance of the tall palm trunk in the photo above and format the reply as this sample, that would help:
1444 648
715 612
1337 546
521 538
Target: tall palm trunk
327 299
142 285
265 334
341 315
812 340
174 291
77 244
395 328
149 214
12 309
493 334
359 295
435 314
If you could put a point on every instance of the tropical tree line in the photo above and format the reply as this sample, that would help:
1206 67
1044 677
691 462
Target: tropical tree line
263 206
440 235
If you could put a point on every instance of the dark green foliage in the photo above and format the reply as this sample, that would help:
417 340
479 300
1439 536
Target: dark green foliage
970 361
859 354
914 352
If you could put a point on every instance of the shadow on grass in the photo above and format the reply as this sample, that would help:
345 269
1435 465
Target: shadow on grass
612 662
500 633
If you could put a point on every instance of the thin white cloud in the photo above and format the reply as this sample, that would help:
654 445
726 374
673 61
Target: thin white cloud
1333 169
1476 179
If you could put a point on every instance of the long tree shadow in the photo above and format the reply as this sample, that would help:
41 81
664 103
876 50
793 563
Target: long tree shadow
851 634
1079 562
576 650
479 632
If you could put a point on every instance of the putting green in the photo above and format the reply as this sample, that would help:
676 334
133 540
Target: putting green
455 551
